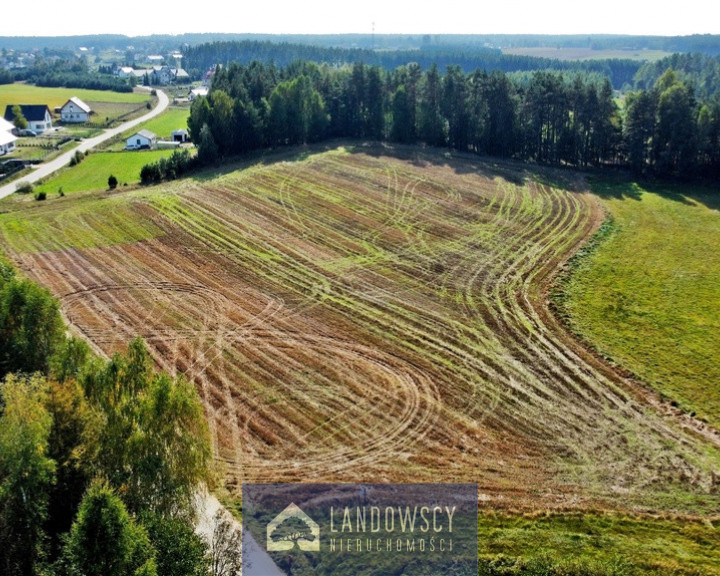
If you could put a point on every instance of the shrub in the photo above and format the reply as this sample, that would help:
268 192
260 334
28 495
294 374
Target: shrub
41 196
170 168
112 182
77 158
24 188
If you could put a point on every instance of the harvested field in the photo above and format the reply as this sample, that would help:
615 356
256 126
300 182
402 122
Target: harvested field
374 315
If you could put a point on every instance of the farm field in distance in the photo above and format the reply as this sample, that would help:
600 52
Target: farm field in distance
53 97
587 53
373 314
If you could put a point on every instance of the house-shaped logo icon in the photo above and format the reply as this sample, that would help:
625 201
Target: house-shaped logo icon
291 528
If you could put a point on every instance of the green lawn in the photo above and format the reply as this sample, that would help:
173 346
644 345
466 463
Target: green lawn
597 544
93 172
648 296
174 118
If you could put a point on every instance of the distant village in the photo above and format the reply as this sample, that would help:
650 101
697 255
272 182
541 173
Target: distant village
147 69
22 120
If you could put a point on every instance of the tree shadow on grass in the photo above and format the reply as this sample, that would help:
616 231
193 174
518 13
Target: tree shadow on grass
513 171
608 184
625 187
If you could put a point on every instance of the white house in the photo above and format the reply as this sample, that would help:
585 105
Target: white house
7 142
6 126
197 92
37 115
7 138
128 72
75 111
163 75
142 139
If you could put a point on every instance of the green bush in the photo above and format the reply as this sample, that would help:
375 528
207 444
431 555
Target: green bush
24 188
77 158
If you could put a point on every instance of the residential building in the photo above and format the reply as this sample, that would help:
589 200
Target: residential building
75 111
37 115
140 140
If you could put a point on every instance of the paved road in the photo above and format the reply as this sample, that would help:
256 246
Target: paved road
45 169
261 562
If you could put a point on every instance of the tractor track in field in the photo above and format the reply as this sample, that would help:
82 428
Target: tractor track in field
361 317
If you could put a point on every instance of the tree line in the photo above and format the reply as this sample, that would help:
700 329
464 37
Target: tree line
70 72
546 116
100 460
469 57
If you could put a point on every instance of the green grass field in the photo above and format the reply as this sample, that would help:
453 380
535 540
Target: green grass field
93 172
53 97
597 544
83 220
648 296
173 118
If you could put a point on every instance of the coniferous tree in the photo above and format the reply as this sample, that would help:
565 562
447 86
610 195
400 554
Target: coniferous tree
431 123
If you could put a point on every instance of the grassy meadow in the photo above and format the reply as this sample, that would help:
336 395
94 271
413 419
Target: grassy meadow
648 296
93 172
597 544
174 118
53 97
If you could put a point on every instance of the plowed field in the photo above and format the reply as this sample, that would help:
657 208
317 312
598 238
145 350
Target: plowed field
362 315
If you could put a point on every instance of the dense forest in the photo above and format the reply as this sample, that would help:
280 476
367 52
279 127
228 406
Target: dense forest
699 72
468 57
549 117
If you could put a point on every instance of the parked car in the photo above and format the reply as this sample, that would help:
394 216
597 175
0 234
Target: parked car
27 132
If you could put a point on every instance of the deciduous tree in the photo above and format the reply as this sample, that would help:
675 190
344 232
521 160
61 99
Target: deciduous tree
27 474
105 540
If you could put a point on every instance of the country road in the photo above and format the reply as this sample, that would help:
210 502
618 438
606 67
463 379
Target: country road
44 170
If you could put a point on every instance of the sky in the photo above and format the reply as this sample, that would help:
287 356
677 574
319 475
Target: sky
144 17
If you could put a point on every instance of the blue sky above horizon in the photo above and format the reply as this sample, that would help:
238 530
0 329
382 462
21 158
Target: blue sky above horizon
136 17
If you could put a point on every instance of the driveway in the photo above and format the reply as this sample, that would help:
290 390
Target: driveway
45 169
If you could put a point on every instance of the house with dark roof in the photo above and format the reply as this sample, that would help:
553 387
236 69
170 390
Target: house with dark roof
75 111
37 115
